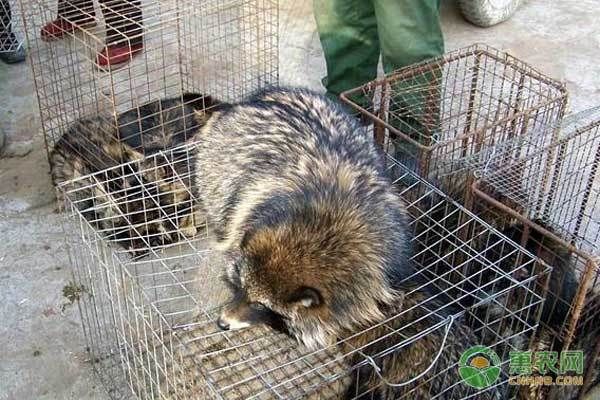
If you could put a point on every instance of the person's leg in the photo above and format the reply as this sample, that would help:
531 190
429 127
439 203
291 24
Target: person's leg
124 31
348 34
410 32
11 51
72 14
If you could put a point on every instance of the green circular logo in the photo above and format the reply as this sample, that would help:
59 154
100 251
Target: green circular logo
479 367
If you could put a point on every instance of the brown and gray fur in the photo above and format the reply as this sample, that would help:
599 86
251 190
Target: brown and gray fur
155 196
97 143
298 198
295 189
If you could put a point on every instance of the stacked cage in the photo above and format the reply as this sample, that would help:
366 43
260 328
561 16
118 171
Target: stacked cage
438 115
486 129
151 320
121 145
547 189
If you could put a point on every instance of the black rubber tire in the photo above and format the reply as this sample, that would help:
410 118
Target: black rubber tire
486 13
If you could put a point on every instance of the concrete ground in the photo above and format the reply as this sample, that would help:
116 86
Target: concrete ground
42 347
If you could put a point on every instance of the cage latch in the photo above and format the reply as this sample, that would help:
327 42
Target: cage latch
377 369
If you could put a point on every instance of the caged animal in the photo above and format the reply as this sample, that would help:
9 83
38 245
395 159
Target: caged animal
484 282
319 241
143 202
555 310
557 307
562 284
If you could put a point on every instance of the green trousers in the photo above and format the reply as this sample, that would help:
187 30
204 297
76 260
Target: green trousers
354 33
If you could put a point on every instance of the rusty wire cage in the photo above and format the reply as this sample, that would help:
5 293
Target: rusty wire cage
180 48
149 316
435 114
546 189
11 34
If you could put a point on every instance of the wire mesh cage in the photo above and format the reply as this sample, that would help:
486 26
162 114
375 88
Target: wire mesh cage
547 190
11 35
121 56
436 114
149 318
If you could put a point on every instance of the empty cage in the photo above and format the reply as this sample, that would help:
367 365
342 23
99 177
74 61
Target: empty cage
435 115
546 190
149 317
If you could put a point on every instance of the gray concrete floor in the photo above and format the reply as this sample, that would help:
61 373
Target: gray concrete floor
42 347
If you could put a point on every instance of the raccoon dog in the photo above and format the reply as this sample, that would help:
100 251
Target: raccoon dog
93 144
155 198
297 196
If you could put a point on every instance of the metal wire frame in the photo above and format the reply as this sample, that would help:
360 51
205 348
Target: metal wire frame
226 49
436 114
551 186
150 321
141 206
10 29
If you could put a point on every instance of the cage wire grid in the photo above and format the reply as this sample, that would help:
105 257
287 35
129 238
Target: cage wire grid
565 190
11 30
224 49
149 319
551 186
436 114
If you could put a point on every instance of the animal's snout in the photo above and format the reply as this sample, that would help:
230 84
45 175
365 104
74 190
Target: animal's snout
224 325
233 319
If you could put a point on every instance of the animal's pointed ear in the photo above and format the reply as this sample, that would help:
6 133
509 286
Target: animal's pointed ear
307 297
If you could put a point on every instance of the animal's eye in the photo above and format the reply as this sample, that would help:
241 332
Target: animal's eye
236 268
257 306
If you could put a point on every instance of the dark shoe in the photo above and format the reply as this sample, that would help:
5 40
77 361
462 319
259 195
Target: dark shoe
14 56
115 54
56 29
